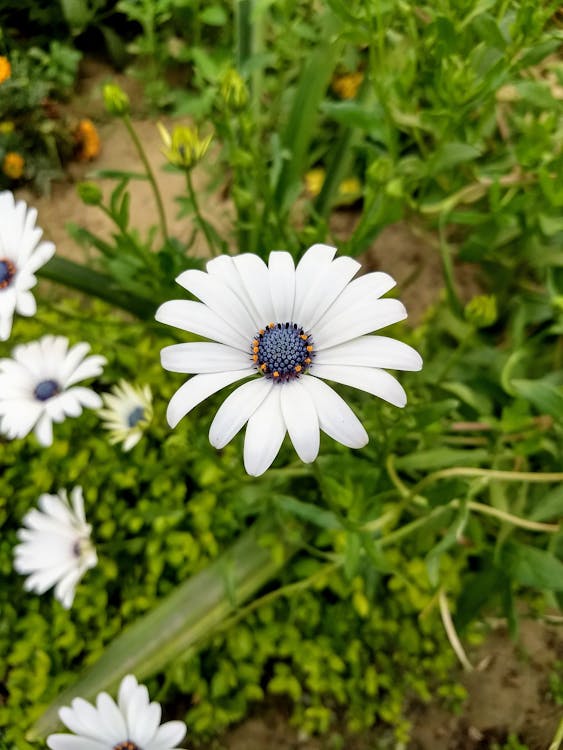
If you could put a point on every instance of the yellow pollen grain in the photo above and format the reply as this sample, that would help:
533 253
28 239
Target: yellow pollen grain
303 336
263 367
309 348
297 368
276 374
308 360
255 358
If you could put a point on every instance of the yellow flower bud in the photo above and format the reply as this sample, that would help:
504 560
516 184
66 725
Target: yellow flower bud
481 311
5 69
13 165
184 148
233 91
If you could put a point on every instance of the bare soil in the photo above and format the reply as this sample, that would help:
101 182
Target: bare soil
508 692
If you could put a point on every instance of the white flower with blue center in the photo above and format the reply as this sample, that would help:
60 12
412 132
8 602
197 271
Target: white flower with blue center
133 723
289 329
21 254
38 386
127 413
55 547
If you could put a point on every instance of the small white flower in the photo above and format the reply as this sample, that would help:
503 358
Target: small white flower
291 328
21 254
37 386
131 724
127 414
55 548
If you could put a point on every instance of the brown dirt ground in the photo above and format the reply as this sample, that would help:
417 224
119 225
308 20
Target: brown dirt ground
508 692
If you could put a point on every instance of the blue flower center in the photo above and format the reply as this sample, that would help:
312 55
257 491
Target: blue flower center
282 351
7 272
135 416
46 389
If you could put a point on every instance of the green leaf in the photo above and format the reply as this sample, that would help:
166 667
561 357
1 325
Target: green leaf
442 458
546 397
477 592
180 622
550 506
77 14
308 512
534 567
449 155
214 15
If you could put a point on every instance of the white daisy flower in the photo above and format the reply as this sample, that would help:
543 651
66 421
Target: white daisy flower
127 414
289 329
21 254
55 547
37 386
131 724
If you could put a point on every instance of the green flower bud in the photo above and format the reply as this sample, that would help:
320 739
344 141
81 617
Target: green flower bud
233 91
184 148
89 193
116 100
481 311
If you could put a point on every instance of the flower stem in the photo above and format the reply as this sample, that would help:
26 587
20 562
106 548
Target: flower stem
551 528
505 476
451 632
200 221
150 175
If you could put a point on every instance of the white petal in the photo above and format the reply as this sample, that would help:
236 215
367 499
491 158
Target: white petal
313 263
217 295
25 304
86 396
44 430
90 368
237 408
88 716
328 284
78 722
197 389
136 707
126 691
20 417
203 357
301 420
146 724
282 285
168 735
111 717
264 434
71 742
363 316
369 379
335 416
201 320
254 275
65 588
42 254
225 269
372 351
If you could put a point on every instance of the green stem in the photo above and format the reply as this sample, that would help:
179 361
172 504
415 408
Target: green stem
505 476
448 268
150 175
200 221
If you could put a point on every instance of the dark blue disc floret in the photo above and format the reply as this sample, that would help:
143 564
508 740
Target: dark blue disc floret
282 351
135 416
46 389
7 272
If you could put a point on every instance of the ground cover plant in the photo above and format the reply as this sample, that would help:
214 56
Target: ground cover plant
347 576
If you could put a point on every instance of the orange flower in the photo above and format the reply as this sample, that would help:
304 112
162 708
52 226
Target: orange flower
346 86
87 141
13 165
5 69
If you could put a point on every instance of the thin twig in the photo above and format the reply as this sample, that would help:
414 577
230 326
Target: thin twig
451 632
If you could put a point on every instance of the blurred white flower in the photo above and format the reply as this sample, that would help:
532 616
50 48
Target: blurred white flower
291 328
21 254
37 386
55 547
127 413
131 724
